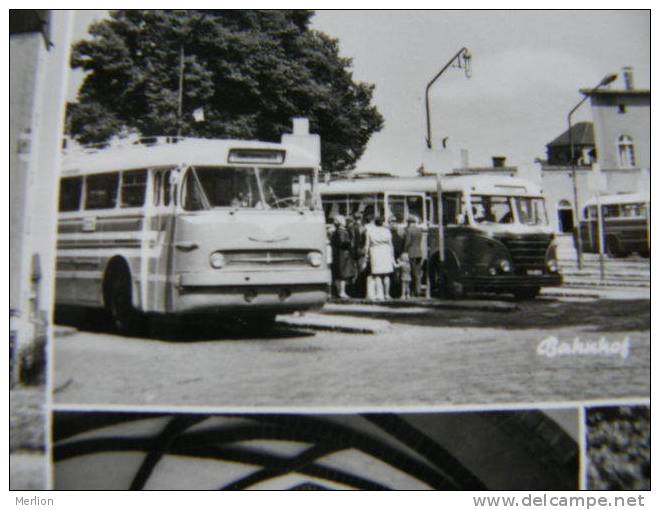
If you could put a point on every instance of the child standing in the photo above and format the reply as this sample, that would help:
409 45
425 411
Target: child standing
405 275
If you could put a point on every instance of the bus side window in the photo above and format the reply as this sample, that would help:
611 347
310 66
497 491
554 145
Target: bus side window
167 187
158 180
133 188
631 210
101 192
431 215
611 211
415 206
70 193
451 208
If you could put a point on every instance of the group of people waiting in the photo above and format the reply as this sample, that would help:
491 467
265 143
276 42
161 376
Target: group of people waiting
379 262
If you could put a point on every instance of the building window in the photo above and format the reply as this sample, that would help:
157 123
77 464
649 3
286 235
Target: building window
622 108
626 152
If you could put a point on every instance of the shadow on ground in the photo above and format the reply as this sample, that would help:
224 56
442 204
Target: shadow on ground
597 316
197 329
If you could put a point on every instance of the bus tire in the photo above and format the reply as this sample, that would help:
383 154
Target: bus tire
118 294
526 294
613 248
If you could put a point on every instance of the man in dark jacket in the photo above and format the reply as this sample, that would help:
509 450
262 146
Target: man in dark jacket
415 246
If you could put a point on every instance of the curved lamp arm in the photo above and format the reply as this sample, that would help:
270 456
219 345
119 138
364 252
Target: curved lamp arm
463 52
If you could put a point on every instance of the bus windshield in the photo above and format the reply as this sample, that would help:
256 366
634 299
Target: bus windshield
239 187
531 211
508 209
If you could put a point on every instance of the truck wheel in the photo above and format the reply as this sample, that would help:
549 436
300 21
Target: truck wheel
526 294
453 288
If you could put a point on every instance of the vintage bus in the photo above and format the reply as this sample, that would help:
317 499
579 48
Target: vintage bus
187 226
626 225
496 232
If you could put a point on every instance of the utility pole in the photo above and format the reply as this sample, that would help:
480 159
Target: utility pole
576 211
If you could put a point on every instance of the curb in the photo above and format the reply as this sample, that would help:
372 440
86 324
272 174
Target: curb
336 324
60 331
440 304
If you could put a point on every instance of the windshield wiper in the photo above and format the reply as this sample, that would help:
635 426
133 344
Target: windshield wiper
206 204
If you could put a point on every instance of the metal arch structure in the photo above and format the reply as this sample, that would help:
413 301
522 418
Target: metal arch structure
456 59
400 442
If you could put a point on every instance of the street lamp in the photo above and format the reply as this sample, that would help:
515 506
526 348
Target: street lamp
461 60
576 227
464 56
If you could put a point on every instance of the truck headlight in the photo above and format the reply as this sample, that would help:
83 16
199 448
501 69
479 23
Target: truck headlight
314 258
499 266
217 260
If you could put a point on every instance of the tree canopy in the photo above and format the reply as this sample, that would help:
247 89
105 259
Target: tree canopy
251 72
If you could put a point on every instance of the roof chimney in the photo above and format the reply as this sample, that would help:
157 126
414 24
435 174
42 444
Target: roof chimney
300 126
499 161
628 78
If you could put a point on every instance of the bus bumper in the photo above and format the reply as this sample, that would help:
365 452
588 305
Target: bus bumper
267 291
503 283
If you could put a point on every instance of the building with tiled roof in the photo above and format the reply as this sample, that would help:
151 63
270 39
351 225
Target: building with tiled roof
559 150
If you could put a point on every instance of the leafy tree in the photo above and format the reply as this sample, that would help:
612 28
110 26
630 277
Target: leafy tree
250 71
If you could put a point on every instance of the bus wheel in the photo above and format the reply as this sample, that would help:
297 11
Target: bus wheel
526 294
118 299
612 247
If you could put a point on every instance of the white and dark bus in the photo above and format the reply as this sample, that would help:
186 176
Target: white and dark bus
496 232
187 226
626 224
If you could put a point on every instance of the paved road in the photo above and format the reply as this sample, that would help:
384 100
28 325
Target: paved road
427 357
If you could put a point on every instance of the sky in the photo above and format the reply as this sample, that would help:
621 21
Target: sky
527 69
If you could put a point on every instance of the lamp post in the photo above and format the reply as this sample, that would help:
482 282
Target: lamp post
576 227
463 55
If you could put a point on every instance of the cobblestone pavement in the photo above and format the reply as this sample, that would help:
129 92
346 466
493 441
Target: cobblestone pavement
427 357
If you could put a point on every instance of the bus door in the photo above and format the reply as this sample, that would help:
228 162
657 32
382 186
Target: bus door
404 205
161 270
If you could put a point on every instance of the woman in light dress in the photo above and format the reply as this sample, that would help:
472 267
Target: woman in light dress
381 257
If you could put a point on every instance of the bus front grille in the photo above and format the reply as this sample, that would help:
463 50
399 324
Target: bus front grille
527 252
267 258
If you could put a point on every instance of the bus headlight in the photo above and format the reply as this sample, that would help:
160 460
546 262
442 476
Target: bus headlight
314 258
217 260
553 266
505 266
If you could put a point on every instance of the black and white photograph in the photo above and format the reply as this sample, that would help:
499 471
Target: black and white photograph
431 217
